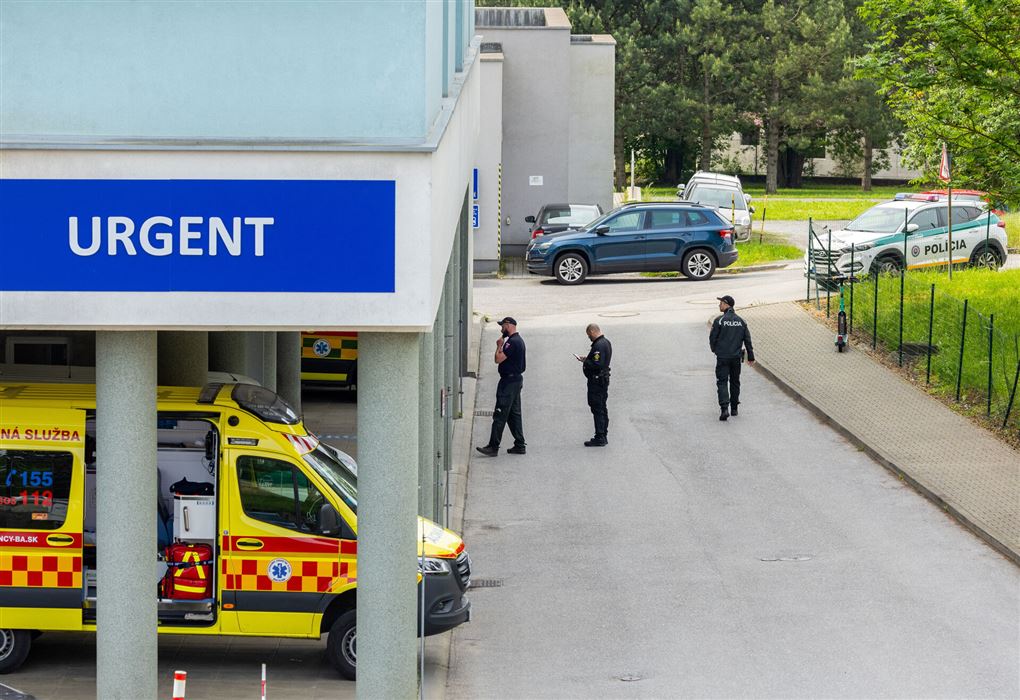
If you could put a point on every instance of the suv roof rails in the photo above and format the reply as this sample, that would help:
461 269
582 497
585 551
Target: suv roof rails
676 203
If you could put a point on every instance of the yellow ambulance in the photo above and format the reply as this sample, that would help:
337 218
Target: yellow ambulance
256 521
329 358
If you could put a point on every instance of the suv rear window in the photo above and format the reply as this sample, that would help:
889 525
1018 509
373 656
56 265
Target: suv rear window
34 489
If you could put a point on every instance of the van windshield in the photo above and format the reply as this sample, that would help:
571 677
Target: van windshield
333 471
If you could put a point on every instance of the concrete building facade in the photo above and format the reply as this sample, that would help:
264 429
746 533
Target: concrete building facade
340 139
557 97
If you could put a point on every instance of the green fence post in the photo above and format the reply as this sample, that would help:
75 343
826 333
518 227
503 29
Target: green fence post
874 318
852 279
810 259
1012 395
931 325
828 267
963 339
991 340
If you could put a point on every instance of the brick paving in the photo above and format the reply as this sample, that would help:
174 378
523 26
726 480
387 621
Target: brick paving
950 459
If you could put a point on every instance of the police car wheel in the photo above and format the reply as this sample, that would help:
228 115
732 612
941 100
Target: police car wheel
342 645
887 264
985 257
14 648
571 269
698 265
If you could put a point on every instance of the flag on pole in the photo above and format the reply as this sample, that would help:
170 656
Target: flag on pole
944 171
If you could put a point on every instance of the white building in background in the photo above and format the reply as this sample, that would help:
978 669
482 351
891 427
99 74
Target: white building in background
743 152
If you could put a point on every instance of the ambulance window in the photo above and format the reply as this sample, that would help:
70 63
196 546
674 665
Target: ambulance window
278 493
34 489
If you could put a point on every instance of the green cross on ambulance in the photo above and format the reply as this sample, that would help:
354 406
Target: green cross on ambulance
874 241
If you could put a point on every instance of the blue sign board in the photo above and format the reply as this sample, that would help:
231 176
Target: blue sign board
197 235
474 216
474 185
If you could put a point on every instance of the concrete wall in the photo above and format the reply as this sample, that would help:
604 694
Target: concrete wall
98 69
536 117
592 119
490 156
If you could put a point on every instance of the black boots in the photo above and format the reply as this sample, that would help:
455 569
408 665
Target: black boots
724 413
597 441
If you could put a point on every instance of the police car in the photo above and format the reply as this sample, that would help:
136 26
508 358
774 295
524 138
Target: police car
913 231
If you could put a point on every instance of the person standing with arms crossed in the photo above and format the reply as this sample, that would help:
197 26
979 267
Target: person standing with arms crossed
510 358
729 335
596 369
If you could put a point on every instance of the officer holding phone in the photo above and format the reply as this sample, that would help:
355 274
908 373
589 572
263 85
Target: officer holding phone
596 370
511 360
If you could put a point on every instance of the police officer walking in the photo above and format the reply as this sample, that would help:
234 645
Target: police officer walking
729 334
511 361
596 369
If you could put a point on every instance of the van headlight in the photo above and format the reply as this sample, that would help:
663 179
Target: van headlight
857 246
431 565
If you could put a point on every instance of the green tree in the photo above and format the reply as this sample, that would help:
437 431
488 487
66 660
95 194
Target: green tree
799 54
950 69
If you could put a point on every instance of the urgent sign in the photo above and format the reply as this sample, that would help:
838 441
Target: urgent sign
197 235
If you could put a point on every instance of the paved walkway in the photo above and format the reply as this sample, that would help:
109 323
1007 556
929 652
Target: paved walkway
961 466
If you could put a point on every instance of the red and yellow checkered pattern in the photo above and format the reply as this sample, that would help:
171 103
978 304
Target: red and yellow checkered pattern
307 577
40 570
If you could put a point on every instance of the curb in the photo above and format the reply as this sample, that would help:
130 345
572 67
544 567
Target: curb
781 265
461 446
935 498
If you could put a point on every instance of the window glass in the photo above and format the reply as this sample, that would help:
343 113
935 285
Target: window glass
572 215
880 219
720 197
696 218
926 220
628 221
267 491
665 218
962 215
34 488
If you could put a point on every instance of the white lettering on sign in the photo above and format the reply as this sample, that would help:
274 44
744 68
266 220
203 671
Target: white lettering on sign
157 235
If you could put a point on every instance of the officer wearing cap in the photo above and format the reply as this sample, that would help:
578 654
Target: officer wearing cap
596 370
729 334
511 361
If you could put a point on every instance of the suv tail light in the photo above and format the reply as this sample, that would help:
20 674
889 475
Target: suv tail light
726 234
537 232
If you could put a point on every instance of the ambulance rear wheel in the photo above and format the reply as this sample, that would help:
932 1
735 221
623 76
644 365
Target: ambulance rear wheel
342 645
14 648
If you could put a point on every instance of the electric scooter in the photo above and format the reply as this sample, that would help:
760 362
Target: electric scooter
842 335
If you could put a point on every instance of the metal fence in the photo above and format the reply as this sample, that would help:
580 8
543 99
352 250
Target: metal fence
942 341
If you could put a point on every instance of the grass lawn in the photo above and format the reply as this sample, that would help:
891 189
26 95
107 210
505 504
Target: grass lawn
987 292
1013 229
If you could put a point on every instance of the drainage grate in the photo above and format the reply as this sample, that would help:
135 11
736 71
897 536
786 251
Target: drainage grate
486 583
483 413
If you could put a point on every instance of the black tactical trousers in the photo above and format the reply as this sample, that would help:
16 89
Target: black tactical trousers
598 394
508 411
727 371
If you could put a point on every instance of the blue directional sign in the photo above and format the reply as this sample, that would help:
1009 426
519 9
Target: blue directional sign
197 235
474 216
474 185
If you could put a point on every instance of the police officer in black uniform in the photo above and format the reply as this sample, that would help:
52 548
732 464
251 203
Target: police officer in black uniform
729 334
511 360
596 369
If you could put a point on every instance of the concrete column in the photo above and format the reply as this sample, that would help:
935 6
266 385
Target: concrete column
269 364
387 514
126 648
288 367
228 352
439 421
182 357
426 428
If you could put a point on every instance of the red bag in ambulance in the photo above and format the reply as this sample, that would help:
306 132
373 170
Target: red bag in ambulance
189 572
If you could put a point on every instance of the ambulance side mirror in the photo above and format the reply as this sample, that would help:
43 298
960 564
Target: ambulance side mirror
329 520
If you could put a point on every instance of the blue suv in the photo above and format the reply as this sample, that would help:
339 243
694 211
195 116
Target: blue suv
639 237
